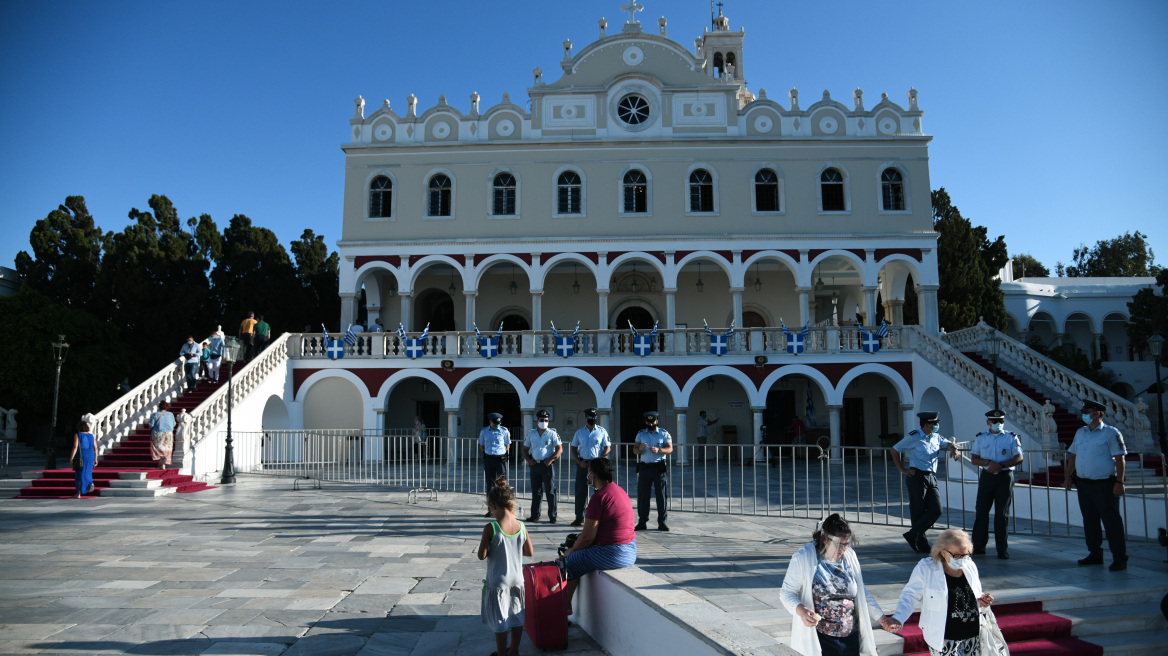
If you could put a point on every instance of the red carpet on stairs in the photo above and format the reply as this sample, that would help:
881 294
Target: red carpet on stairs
131 455
1028 630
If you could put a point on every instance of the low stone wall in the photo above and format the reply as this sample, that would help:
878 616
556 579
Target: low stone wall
631 612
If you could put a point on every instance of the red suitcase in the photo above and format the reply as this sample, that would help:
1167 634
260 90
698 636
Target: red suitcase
545 606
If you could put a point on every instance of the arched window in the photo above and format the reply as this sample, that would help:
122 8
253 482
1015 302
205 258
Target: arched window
380 197
831 191
568 193
892 190
636 193
701 191
440 190
718 65
766 191
503 202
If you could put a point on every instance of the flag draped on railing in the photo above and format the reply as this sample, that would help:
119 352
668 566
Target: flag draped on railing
643 344
488 346
335 348
565 346
719 344
414 347
796 342
350 336
871 341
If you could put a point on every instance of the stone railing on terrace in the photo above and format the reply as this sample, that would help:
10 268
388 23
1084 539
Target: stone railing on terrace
594 343
121 417
1029 416
212 411
1064 386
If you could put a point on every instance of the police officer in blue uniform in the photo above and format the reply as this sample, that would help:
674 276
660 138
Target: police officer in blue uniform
494 442
1096 467
542 448
653 444
921 448
997 451
590 441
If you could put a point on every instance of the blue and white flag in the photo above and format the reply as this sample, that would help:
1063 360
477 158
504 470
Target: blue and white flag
414 348
809 411
796 342
719 344
334 348
565 346
350 336
489 346
871 341
643 344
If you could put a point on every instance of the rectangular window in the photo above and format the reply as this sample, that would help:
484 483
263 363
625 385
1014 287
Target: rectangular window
833 197
569 199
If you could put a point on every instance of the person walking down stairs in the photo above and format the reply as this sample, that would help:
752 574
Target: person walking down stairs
162 425
85 447
190 354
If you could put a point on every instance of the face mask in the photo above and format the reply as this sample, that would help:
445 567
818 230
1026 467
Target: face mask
1087 419
957 563
996 427
542 425
936 429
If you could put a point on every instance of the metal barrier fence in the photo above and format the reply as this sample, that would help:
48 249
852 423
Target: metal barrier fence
791 480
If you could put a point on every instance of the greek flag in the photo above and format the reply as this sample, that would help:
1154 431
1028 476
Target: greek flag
489 346
719 344
809 411
565 346
350 336
870 341
796 342
643 344
416 347
335 348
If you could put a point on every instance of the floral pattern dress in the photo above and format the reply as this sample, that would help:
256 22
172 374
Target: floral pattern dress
833 591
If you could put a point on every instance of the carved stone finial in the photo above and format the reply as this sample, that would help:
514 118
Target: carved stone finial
698 47
412 103
632 8
912 99
762 94
567 48
603 23
883 97
506 98
385 104
661 25
826 94
474 103
537 72
442 100
359 112
858 97
794 95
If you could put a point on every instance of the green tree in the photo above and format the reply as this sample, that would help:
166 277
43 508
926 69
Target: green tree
967 265
1149 313
1026 266
317 271
254 273
1125 256
66 255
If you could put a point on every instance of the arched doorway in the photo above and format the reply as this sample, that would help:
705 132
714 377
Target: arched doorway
436 308
638 316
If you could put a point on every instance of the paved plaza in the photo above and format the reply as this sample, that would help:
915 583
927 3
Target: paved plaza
260 568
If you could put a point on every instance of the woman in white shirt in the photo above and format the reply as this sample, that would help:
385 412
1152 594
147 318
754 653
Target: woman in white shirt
946 588
831 610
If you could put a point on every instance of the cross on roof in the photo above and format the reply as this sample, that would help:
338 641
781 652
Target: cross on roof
632 8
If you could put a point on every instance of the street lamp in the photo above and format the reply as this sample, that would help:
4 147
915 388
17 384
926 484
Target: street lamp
60 348
1156 344
232 351
994 346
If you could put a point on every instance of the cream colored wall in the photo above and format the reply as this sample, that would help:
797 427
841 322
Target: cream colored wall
333 403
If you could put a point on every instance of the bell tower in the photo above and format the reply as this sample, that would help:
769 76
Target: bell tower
722 49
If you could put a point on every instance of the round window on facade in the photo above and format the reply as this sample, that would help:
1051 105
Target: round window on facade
633 110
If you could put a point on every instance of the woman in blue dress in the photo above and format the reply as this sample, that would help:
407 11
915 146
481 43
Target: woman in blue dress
85 442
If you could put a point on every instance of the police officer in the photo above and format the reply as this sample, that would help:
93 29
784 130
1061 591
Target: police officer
997 451
590 441
1095 465
653 444
542 448
494 442
922 447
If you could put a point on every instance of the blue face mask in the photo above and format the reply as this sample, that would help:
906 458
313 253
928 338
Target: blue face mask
936 429
1087 419
996 427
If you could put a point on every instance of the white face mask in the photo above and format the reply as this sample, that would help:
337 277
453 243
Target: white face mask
996 427
1087 419
957 563
936 429
542 425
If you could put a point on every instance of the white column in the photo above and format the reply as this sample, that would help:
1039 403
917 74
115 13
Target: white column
537 310
670 308
1099 355
736 297
834 425
602 309
870 304
895 311
927 303
909 417
405 310
680 456
470 310
348 309
758 450
804 306
451 431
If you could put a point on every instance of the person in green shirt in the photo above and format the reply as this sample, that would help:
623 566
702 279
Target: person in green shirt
263 334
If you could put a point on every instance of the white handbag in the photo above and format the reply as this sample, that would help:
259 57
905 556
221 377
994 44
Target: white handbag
993 643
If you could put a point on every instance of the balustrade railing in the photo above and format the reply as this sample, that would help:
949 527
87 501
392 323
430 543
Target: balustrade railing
8 424
1064 386
120 418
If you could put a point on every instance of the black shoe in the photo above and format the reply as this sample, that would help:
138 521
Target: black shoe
911 540
532 520
923 545
641 527
662 527
1119 565
1003 555
978 552
551 520
1092 559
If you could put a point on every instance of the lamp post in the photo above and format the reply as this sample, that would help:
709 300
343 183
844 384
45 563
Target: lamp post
60 348
232 349
993 347
1156 344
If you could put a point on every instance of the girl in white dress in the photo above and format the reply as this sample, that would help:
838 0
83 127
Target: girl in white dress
504 544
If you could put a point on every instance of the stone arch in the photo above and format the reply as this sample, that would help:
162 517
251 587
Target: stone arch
526 398
933 400
630 373
275 415
754 398
324 374
333 402
885 377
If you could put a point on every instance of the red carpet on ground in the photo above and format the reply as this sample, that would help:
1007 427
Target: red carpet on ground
1027 629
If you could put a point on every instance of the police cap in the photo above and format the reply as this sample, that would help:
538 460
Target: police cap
590 412
1093 406
995 414
542 414
928 416
494 415
652 414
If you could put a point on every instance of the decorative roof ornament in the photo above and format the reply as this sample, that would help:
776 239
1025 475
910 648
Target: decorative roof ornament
537 72
661 25
474 103
359 112
632 7
794 95
567 48
858 97
912 100
603 23
412 104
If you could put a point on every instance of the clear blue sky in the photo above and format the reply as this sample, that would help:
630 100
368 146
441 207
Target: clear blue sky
1047 116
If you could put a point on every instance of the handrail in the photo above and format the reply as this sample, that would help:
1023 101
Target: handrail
1031 417
119 418
1065 386
212 410
8 423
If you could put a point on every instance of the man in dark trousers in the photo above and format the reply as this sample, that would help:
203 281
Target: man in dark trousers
997 451
1096 467
494 442
921 448
590 441
541 449
653 445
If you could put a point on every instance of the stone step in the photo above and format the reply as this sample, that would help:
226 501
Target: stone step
137 484
1140 643
137 491
1103 620
15 484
